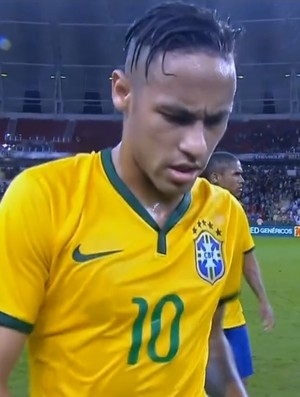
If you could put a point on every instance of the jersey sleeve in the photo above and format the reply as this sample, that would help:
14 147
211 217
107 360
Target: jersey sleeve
249 244
25 246
242 242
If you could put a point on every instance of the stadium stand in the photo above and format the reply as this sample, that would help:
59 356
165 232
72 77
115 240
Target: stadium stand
271 192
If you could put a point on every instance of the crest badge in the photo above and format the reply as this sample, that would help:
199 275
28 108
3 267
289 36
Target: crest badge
209 257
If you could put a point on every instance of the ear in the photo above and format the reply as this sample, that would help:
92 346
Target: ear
214 178
120 91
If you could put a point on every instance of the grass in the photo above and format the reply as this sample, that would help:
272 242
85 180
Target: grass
276 355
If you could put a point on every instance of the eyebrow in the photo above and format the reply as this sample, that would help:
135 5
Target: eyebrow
185 113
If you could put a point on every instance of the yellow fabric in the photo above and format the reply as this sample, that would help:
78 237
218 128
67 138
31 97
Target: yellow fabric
119 307
234 315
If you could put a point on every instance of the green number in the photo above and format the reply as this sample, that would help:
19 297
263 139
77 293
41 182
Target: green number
174 331
137 329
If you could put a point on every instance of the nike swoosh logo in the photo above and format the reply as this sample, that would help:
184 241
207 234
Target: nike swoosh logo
82 258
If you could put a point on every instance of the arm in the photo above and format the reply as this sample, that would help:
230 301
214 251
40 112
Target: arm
11 346
253 277
222 378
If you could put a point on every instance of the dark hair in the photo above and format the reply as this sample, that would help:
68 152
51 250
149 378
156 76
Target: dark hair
178 26
218 162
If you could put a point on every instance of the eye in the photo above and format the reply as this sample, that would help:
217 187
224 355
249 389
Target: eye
178 119
213 121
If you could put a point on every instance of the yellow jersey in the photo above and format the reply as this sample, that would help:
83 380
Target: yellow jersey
113 305
234 315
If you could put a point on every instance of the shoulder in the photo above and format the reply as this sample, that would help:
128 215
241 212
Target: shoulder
203 189
50 182
59 175
223 202
62 169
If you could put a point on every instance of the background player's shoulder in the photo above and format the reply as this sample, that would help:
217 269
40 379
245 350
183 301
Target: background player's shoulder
219 197
211 192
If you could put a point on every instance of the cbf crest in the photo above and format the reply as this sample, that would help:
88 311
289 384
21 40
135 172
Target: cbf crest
209 258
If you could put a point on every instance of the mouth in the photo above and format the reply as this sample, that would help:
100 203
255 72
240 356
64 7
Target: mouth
184 173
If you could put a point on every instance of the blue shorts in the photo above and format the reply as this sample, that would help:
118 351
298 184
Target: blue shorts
239 341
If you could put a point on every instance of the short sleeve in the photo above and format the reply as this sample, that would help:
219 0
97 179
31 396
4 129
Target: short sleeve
25 247
249 244
242 242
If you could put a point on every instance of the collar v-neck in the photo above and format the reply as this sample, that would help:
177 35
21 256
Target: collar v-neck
140 210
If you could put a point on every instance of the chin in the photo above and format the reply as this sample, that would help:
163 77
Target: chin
171 190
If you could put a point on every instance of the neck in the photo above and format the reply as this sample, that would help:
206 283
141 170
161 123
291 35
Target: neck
140 185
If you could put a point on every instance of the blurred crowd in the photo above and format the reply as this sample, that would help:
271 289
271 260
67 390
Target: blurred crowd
261 140
3 187
6 175
272 194
271 142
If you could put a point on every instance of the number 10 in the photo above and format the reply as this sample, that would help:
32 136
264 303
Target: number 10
137 329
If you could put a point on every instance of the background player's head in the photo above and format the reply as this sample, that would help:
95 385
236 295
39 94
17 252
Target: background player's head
225 170
176 92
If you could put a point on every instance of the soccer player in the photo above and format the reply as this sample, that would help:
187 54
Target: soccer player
225 170
117 264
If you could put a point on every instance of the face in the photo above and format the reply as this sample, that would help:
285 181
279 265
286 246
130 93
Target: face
232 179
173 122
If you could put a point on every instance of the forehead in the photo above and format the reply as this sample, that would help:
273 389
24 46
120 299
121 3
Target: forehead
234 167
196 79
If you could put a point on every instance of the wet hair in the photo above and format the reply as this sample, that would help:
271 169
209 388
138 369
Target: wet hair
218 163
176 26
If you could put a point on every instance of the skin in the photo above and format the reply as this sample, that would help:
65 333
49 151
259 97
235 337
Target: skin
253 277
230 178
221 366
11 346
169 121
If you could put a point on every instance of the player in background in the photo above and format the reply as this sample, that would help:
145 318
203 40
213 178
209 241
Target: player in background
225 170
117 265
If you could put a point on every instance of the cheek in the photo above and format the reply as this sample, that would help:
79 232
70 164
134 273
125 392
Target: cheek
222 129
161 132
212 140
150 138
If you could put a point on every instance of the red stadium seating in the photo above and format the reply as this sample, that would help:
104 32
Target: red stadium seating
40 129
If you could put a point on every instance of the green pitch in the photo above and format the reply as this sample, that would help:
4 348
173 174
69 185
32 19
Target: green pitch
276 355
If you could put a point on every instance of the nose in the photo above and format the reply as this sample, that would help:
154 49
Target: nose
193 141
242 180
